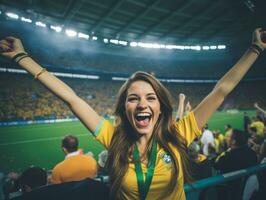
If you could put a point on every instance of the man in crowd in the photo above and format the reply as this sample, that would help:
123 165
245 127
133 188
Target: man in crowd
76 165
207 141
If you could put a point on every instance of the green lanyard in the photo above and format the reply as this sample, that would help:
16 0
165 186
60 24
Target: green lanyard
144 187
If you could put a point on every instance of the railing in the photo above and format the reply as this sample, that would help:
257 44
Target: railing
193 190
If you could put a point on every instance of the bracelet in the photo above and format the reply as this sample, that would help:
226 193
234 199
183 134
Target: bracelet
39 73
19 59
18 55
257 48
254 50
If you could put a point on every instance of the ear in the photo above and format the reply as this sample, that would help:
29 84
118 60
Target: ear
64 150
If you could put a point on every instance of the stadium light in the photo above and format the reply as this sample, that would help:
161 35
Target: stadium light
114 41
83 35
197 48
71 33
105 40
41 24
206 48
133 44
221 47
12 15
213 47
26 20
124 43
94 38
56 28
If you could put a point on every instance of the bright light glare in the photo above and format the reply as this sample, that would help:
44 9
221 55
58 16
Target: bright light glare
221 47
213 47
122 42
133 44
94 38
83 35
205 47
12 15
40 24
114 41
26 20
56 28
105 40
71 33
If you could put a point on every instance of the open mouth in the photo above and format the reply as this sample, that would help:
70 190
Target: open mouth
142 119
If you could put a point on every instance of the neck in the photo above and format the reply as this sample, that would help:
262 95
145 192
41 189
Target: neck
142 144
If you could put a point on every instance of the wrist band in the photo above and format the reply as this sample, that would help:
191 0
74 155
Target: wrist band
254 50
20 58
257 48
39 73
18 55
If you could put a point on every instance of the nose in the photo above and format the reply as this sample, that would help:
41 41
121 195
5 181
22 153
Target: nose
142 104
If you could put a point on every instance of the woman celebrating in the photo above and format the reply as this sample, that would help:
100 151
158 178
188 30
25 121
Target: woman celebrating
147 148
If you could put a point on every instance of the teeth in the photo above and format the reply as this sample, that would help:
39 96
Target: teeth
143 115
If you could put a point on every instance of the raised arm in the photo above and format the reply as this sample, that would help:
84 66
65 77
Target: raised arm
229 81
12 48
256 105
180 109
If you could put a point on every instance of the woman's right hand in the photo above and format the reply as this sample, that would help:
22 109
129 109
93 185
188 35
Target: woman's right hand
10 46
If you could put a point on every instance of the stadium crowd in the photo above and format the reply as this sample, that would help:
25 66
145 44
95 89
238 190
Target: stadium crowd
26 99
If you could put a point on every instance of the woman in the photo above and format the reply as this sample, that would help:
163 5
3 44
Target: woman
147 150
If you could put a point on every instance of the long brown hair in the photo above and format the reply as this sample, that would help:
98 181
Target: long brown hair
164 132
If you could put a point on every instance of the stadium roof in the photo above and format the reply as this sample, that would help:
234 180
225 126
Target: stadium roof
168 21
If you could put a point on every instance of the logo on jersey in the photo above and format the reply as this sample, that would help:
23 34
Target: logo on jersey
166 159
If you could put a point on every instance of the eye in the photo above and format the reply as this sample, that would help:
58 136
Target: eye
132 99
151 98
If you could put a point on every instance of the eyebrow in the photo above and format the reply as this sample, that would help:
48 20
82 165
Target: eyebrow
149 94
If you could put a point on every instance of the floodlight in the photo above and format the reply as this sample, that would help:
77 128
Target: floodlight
122 42
56 28
133 44
83 35
206 48
41 24
71 33
197 48
114 41
94 38
12 15
221 47
105 40
26 20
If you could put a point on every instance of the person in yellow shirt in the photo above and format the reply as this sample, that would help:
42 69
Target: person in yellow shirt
147 149
76 165
258 125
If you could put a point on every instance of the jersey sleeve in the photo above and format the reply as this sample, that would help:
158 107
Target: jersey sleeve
104 132
188 127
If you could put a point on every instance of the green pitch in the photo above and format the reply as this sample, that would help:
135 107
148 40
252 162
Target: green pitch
39 144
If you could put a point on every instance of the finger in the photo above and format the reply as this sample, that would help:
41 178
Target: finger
5 42
10 39
4 48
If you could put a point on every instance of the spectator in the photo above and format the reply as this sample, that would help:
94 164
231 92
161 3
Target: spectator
207 140
33 178
76 166
233 159
258 125
246 121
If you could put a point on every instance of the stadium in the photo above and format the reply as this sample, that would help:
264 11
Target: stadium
94 47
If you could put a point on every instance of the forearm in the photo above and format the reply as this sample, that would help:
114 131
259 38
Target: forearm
55 85
228 82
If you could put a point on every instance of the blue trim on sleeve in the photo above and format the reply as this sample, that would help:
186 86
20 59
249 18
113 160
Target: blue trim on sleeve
98 128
